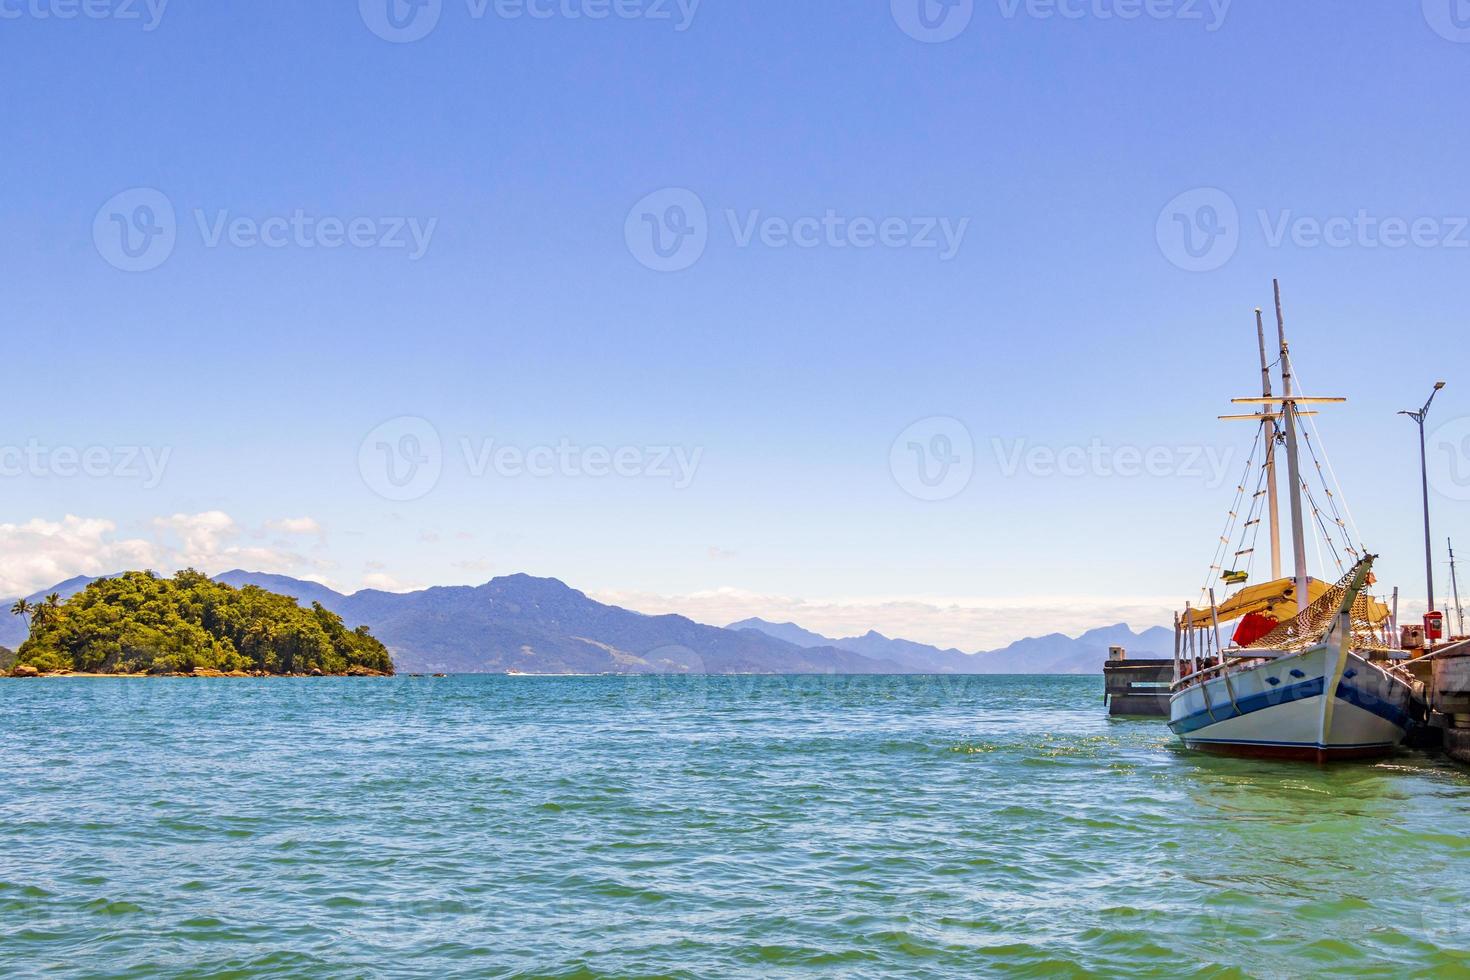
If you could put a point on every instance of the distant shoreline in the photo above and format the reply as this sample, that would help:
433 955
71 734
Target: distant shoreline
208 675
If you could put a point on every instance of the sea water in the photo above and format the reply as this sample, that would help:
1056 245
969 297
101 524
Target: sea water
692 826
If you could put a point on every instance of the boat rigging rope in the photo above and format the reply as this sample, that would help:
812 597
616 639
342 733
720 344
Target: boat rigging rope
1322 526
1217 566
1251 527
1355 535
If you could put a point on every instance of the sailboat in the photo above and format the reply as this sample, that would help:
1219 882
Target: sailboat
1312 671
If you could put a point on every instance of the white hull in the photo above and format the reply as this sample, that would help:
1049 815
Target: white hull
1282 709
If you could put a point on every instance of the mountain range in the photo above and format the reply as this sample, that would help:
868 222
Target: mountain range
542 626
1054 653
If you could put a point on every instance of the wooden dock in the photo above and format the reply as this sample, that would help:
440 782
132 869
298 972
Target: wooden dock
1138 688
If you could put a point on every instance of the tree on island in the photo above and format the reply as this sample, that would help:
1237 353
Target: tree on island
23 610
141 623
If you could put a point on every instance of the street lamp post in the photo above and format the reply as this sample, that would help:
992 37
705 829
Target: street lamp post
1419 418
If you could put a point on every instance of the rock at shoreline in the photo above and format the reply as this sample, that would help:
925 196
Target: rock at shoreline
357 670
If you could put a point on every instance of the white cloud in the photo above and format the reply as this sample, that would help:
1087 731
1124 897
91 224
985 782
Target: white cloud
41 553
199 534
967 623
207 542
386 583
295 525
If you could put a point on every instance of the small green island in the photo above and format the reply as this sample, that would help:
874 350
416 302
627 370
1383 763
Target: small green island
139 624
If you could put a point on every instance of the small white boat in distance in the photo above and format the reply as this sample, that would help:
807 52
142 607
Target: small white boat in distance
1312 672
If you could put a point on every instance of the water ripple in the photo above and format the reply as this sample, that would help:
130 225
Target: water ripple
696 827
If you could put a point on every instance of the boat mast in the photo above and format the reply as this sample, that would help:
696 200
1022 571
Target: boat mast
1293 462
1270 424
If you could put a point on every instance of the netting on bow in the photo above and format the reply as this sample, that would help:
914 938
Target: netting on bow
1310 626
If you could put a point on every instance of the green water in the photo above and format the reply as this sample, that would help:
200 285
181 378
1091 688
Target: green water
498 826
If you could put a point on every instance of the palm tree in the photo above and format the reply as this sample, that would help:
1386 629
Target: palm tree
21 609
43 613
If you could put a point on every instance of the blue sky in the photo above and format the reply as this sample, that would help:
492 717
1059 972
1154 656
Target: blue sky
988 235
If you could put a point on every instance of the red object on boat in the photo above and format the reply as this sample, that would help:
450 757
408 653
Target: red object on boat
1434 626
1252 628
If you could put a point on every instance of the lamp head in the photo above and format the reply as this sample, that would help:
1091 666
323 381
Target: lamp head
1438 385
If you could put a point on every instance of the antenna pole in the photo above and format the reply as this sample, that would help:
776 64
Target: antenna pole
1455 584
1272 498
1293 462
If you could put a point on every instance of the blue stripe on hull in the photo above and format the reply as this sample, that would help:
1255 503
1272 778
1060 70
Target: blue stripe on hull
1357 697
1368 701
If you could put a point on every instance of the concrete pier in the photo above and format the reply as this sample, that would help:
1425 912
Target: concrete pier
1137 687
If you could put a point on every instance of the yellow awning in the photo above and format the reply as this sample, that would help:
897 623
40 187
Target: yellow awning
1275 599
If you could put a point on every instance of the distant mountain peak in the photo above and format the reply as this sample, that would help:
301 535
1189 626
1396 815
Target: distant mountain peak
303 591
523 587
789 632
